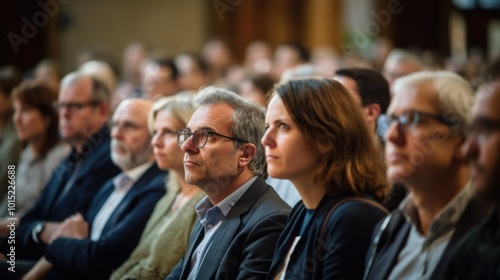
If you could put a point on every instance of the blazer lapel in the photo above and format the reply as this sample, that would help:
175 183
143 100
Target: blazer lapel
228 229
213 257
130 196
99 200
59 178
195 239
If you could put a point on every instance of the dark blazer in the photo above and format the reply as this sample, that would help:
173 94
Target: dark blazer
87 259
392 237
95 169
242 246
340 253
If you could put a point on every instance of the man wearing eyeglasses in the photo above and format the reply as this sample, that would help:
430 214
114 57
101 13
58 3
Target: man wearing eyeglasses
91 247
83 107
241 217
478 255
427 121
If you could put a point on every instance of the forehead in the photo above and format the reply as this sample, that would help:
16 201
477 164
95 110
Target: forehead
218 117
421 97
488 102
131 112
165 118
153 70
80 90
276 109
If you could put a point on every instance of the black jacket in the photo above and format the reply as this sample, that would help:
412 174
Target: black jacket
340 253
392 235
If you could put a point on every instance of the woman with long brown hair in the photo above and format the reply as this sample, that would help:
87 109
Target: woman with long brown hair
317 138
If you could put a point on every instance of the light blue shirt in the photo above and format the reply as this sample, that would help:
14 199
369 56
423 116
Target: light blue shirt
211 217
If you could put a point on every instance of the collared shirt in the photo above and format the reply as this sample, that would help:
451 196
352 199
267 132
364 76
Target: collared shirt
421 254
123 182
211 217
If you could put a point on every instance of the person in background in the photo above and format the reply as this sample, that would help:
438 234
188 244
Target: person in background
36 125
400 63
255 87
477 256
258 57
372 92
159 78
91 246
83 108
241 217
10 147
427 117
48 72
317 138
134 55
219 56
101 71
288 56
165 239
193 71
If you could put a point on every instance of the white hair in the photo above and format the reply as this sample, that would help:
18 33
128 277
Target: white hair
455 94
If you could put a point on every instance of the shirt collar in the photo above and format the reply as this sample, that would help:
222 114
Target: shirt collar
133 174
446 218
227 203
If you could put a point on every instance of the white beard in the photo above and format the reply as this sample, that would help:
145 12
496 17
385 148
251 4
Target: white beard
128 160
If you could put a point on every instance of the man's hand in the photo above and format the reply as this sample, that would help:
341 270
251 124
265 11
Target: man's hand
48 230
73 227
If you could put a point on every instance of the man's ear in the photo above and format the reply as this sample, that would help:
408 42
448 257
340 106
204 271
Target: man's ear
247 152
458 151
104 110
372 112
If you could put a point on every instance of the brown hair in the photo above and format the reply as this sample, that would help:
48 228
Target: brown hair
41 98
337 134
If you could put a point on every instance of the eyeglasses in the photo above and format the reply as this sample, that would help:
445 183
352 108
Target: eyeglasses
483 126
125 126
200 137
410 119
74 106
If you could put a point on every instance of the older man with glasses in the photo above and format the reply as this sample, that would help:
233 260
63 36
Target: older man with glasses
427 121
241 217
478 255
83 106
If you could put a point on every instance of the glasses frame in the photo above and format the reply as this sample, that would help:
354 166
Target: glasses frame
483 126
75 106
404 119
206 134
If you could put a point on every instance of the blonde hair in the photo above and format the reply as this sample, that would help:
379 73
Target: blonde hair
179 106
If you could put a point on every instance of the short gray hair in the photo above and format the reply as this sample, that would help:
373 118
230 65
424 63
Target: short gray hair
248 120
100 91
455 94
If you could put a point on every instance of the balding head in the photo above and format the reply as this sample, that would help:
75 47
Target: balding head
130 144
